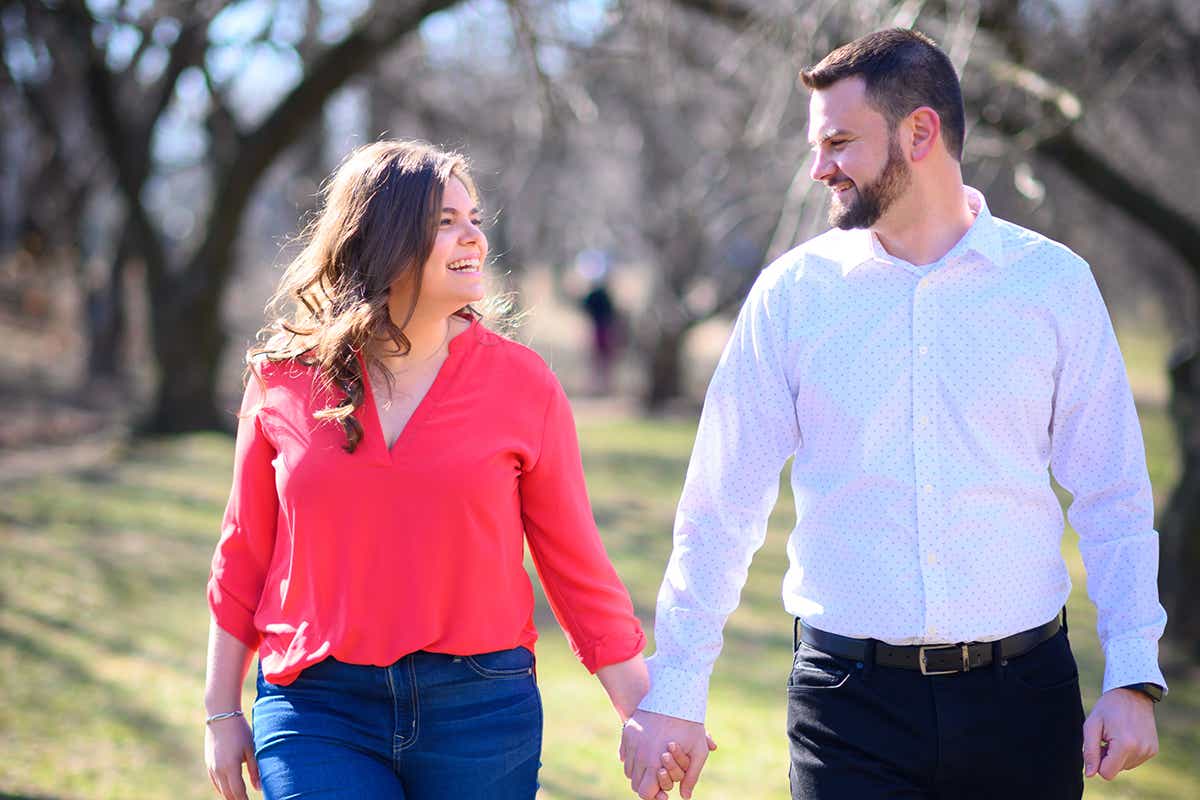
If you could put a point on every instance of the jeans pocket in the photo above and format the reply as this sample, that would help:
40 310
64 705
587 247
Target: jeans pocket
812 669
502 664
1046 668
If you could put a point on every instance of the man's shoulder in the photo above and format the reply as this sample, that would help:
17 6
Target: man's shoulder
1029 250
826 251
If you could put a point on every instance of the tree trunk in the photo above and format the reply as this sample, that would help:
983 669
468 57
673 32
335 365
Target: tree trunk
188 344
1180 521
106 321
665 368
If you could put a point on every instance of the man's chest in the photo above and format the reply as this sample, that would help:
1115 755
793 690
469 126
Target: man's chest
910 352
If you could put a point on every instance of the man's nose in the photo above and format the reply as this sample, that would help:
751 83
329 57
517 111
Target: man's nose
822 167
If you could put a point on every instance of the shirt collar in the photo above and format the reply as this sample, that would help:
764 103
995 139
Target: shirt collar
982 237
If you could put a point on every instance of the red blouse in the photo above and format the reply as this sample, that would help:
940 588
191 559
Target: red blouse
373 555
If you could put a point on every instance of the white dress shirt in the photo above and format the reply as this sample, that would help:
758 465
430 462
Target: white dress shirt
924 406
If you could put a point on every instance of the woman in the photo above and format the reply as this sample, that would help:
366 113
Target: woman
393 458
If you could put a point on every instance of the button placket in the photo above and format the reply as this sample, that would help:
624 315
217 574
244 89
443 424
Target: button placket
924 455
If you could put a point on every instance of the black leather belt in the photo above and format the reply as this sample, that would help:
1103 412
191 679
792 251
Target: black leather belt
930 659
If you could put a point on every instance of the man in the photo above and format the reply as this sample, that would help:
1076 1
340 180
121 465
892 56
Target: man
925 364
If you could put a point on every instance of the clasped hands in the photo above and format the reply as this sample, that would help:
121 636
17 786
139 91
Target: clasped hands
659 751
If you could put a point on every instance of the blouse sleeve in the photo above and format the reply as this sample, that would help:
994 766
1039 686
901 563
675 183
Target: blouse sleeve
587 597
239 565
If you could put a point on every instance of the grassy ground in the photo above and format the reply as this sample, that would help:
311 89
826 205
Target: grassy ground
102 624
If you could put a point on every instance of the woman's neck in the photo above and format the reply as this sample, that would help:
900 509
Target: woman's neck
429 339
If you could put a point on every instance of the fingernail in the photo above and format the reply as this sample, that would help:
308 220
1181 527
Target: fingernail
1089 770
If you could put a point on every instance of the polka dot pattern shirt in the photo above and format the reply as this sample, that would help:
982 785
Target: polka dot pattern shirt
926 407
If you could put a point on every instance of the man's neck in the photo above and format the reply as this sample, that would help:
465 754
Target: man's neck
926 223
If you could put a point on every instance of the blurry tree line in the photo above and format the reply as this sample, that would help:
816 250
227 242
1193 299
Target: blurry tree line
139 134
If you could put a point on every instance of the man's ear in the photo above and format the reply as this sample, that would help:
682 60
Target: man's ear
924 130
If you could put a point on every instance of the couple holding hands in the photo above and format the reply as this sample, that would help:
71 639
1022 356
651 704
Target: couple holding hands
924 364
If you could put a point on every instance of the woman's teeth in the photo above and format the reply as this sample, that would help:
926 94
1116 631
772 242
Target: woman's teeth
464 265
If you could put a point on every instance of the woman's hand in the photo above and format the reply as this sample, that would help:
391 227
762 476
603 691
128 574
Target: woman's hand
227 743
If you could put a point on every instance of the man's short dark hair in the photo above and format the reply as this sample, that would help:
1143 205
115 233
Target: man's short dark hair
903 70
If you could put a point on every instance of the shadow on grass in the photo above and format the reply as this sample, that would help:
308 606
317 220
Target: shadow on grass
66 677
113 645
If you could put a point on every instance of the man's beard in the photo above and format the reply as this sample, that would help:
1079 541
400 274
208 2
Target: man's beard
873 199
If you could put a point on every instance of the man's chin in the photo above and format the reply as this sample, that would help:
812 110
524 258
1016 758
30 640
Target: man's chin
845 219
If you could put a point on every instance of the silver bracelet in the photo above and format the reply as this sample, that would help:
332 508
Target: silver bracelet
223 715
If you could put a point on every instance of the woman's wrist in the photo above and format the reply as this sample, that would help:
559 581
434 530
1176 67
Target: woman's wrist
626 682
221 703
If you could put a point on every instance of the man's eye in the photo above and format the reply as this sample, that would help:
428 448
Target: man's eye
478 223
839 144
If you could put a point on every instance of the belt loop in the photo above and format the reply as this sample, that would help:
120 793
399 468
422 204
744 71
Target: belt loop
1065 621
869 660
997 661
795 634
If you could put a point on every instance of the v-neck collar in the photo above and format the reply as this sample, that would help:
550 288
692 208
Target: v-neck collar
368 413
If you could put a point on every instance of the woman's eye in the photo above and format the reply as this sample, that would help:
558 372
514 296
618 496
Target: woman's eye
447 221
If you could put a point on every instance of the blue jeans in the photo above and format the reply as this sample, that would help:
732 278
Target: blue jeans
430 725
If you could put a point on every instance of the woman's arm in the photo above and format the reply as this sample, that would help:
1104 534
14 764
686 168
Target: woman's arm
626 683
227 742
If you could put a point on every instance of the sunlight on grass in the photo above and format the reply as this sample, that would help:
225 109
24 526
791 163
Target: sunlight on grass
102 626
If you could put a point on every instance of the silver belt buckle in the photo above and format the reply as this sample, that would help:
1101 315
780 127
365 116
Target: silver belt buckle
966 659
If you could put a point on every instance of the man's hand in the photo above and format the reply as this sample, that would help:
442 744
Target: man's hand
1124 719
645 741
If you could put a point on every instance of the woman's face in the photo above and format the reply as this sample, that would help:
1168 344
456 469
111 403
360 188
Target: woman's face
453 273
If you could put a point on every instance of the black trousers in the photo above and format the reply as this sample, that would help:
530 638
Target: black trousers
1010 730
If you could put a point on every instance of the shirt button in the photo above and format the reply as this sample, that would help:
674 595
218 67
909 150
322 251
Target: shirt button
923 350
931 558
929 488
931 630
924 421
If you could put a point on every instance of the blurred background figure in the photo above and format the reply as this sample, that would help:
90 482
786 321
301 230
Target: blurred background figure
593 267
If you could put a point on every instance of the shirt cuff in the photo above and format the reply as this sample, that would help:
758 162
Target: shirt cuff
231 616
1132 660
675 693
612 650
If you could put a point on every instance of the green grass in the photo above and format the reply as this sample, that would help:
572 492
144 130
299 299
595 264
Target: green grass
102 626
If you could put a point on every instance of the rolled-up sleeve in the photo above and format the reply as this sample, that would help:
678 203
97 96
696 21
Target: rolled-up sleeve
1098 456
243 554
587 597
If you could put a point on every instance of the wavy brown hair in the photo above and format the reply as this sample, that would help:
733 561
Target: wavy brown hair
376 223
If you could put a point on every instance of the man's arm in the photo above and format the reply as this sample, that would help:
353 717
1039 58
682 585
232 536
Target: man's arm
747 431
1097 454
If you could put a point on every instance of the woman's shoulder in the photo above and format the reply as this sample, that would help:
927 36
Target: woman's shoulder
516 362
282 372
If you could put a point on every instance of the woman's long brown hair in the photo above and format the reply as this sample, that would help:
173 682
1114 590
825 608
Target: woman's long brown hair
376 223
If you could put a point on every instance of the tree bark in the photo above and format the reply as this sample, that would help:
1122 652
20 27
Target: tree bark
106 320
665 371
1179 524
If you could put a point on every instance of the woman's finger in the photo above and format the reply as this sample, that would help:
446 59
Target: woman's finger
675 769
252 767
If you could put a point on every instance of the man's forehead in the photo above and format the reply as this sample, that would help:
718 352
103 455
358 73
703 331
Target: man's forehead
841 107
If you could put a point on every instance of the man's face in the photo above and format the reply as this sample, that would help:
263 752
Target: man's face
855 155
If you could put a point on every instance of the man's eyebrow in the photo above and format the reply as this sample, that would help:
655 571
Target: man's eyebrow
827 136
